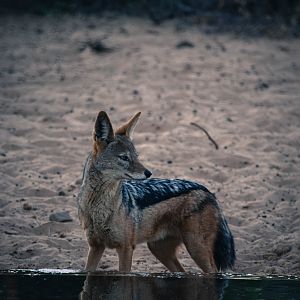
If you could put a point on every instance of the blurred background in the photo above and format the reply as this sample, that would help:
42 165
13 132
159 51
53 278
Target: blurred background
159 10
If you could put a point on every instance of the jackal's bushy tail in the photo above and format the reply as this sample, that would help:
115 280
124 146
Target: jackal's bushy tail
224 250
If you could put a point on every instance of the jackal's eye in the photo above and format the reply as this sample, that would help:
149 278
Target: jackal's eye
124 157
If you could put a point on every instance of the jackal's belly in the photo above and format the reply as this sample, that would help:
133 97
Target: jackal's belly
128 231
154 236
154 227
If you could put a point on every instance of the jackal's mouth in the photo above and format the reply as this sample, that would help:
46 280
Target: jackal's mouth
126 174
131 177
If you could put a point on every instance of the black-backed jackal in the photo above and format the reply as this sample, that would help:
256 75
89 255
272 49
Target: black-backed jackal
120 207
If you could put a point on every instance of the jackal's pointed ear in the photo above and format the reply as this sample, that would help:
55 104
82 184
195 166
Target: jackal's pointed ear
129 127
103 131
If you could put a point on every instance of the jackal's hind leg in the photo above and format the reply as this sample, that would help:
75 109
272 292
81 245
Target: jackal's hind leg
165 251
200 252
94 256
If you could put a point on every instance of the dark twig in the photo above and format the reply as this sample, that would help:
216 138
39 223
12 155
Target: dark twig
208 135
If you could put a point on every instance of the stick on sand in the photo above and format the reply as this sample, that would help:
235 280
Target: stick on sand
208 135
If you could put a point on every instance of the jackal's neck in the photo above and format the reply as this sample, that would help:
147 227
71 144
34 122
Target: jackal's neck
97 188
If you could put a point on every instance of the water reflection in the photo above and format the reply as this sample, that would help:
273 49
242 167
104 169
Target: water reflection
147 288
62 285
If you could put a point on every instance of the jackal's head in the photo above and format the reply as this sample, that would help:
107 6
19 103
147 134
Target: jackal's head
114 154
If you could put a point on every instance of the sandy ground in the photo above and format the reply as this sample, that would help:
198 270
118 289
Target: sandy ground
243 90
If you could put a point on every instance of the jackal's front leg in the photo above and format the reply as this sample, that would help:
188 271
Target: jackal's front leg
94 256
125 258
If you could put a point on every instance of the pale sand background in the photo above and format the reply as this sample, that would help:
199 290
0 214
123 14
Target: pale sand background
244 91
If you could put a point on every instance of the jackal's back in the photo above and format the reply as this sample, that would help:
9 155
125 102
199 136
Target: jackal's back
141 194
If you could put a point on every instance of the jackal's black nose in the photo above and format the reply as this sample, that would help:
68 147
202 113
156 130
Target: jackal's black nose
147 173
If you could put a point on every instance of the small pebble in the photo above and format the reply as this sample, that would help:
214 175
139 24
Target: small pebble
61 193
27 206
63 216
185 44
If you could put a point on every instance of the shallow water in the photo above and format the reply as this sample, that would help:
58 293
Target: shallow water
72 284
